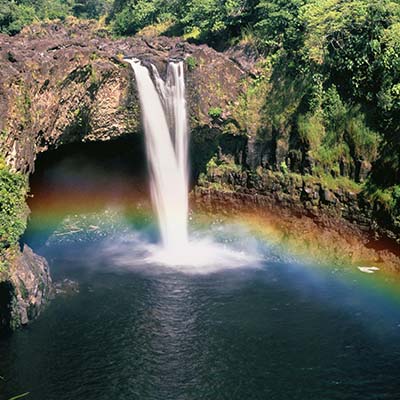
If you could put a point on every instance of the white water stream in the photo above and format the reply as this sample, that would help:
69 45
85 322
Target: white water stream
164 114
165 124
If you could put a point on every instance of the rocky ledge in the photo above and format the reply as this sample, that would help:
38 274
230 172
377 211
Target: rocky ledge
346 221
26 289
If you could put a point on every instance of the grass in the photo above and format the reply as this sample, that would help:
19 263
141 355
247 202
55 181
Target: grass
218 174
157 29
386 198
20 396
341 182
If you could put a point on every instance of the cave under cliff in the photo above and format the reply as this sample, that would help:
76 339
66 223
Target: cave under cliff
85 177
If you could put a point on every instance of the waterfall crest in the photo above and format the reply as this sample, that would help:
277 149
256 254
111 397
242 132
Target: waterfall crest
164 114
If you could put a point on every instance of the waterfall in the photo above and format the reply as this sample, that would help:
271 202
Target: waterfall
164 114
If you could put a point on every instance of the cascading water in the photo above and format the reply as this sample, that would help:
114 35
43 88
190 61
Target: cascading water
165 124
164 114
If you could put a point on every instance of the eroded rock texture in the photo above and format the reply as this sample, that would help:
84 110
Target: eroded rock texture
68 83
26 290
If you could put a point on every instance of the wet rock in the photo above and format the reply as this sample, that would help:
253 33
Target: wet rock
32 286
282 147
328 197
308 193
365 169
66 287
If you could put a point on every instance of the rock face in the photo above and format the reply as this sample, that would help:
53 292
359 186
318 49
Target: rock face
31 276
68 83
336 211
26 291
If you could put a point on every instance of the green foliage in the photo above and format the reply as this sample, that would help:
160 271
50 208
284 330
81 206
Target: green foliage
284 167
204 20
360 50
337 132
214 20
13 209
311 129
334 183
362 140
52 9
215 112
278 24
223 165
130 16
15 14
90 8
134 17
387 199
204 16
220 173
191 63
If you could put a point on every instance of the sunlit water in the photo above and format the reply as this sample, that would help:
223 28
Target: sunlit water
250 325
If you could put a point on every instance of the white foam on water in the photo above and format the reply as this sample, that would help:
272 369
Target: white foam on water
164 114
206 254
368 270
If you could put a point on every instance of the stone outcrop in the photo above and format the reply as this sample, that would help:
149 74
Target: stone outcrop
26 290
62 83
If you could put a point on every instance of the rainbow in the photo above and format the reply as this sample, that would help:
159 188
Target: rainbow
314 251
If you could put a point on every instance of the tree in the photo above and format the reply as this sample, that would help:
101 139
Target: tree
278 24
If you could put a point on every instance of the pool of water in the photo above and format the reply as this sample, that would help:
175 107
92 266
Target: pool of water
271 329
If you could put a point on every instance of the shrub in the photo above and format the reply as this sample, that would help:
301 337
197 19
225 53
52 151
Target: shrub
284 168
215 112
311 130
191 63
13 209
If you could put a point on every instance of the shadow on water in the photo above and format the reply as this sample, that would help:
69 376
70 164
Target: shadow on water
6 295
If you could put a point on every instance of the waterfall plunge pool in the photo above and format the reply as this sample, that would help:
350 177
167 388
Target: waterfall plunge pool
271 328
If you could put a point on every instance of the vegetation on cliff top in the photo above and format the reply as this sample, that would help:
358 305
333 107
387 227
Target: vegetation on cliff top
15 14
